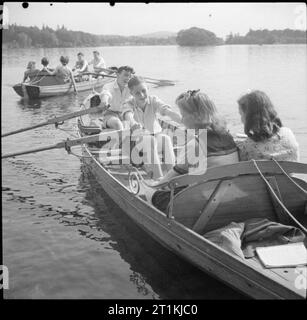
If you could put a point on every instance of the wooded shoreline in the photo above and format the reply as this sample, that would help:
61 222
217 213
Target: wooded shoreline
33 37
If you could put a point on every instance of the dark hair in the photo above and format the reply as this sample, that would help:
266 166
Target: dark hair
64 60
45 62
125 68
80 54
134 81
114 69
261 120
96 52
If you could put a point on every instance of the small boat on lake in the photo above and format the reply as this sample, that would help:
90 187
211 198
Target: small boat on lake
47 86
223 195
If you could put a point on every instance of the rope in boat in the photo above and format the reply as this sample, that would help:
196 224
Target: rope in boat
286 174
277 199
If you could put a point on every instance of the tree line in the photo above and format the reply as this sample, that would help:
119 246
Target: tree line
25 37
286 36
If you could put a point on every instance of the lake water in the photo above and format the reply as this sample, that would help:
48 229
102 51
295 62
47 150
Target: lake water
63 237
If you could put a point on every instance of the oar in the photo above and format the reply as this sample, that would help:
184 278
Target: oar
68 143
73 82
56 120
158 82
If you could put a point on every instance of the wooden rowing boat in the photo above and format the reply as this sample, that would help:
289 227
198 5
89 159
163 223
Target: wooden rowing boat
225 194
48 86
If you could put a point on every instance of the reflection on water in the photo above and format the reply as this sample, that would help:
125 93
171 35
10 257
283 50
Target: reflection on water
63 237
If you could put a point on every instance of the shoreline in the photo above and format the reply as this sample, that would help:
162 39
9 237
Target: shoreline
5 47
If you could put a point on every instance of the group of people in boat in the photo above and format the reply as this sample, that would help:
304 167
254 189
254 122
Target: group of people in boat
63 72
128 102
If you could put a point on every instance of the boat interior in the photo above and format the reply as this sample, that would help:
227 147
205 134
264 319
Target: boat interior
223 195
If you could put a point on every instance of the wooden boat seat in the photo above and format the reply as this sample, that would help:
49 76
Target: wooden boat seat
221 196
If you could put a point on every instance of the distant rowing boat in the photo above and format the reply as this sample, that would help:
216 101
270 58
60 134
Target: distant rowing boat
48 86
220 196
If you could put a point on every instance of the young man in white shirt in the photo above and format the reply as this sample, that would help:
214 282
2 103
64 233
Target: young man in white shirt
81 64
98 63
141 111
115 94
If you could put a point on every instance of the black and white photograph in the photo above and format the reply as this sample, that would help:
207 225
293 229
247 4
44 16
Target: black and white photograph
154 151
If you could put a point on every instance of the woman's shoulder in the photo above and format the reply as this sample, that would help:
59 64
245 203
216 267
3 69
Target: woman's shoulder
286 131
287 135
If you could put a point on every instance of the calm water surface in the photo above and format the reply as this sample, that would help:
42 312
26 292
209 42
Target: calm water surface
63 237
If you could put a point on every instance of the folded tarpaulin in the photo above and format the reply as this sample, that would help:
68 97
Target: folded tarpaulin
242 238
264 233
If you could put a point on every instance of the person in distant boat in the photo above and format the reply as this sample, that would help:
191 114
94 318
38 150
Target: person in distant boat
98 63
215 144
266 138
62 72
31 72
114 95
45 63
141 111
81 65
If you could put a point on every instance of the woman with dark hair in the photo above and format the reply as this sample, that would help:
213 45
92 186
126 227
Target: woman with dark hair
266 136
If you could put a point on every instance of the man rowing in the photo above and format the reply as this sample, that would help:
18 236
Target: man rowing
114 95
98 63
81 66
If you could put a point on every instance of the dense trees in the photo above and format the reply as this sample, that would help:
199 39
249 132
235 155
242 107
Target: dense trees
23 37
268 37
197 37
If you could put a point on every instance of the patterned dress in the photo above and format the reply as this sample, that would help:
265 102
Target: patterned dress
281 147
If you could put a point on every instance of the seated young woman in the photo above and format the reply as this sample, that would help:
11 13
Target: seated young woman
266 138
215 144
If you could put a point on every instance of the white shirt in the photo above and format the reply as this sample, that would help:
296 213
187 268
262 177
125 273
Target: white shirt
97 64
148 117
115 97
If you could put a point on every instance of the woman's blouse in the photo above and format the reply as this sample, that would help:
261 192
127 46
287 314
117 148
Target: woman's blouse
282 147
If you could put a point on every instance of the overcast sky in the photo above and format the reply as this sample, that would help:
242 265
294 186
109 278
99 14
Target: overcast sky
140 18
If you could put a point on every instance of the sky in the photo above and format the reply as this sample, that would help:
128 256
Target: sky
140 18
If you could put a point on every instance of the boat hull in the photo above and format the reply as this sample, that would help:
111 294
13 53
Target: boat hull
244 275
190 245
35 92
